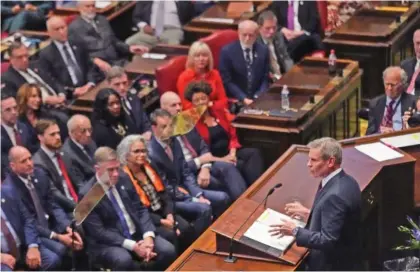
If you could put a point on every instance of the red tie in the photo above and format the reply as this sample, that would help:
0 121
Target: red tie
410 88
169 152
18 139
66 177
387 119
188 146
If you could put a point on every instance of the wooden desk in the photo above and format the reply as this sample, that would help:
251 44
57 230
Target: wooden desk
138 66
373 38
200 26
334 114
380 216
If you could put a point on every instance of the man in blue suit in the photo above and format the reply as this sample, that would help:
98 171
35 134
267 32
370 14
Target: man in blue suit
166 153
17 15
130 102
333 229
33 187
120 232
13 132
245 65
212 172
20 242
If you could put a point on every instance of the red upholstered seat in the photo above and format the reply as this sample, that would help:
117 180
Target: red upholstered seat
217 40
4 35
70 18
167 75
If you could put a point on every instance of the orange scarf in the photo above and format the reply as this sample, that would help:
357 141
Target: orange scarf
151 174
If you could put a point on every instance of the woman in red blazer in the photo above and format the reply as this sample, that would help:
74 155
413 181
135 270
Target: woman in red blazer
200 67
217 131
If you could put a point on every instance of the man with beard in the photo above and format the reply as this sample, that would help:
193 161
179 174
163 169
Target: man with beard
65 181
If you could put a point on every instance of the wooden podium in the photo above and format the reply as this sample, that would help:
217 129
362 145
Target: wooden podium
333 113
387 197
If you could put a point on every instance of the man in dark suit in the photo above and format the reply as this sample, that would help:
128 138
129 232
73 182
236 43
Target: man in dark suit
20 243
33 187
79 146
57 165
412 67
19 15
119 230
13 132
333 228
67 61
299 23
244 65
130 102
386 111
160 22
280 61
97 36
212 172
166 153
21 71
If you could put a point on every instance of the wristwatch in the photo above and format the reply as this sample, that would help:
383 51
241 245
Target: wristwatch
295 231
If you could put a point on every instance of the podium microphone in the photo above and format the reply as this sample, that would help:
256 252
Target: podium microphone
230 258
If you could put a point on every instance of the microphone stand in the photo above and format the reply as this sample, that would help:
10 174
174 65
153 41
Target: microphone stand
230 258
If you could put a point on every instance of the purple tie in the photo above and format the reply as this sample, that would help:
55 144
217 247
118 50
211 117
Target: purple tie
290 16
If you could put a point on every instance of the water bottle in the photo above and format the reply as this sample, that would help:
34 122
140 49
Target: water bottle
285 104
332 63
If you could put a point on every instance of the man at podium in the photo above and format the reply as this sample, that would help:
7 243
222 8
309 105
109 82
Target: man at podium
332 232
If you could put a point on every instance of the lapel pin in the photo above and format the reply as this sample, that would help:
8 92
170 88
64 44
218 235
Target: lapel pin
36 180
47 216
3 200
61 153
122 188
74 47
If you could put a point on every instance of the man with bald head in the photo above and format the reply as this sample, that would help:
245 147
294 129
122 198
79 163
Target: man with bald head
412 67
33 187
387 111
212 172
67 61
79 146
244 65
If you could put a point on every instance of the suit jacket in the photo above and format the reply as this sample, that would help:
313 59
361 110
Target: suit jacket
199 146
13 80
233 70
280 48
104 135
6 145
333 231
173 173
57 218
103 225
42 160
23 223
102 44
138 114
408 65
80 162
377 109
143 11
51 61
308 15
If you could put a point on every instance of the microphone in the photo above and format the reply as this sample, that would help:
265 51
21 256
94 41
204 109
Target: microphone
230 258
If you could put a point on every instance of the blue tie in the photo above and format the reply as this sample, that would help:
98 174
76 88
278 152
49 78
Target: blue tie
120 213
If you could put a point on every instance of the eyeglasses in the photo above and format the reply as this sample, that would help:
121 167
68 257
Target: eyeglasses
392 85
138 151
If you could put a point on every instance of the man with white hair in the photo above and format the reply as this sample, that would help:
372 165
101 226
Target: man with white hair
333 228
386 111
245 64
79 146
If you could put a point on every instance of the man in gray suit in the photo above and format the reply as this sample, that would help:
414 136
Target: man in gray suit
97 36
280 61
332 232
79 146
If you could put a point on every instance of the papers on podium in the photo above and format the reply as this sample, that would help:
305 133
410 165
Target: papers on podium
379 151
217 20
403 140
258 236
155 56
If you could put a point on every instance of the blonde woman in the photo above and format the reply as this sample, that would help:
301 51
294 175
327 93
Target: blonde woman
200 67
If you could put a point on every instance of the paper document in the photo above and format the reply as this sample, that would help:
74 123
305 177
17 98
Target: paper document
102 4
154 56
403 140
379 152
259 231
217 20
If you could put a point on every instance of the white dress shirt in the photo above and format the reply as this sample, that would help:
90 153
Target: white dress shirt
127 244
10 133
330 176
168 17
